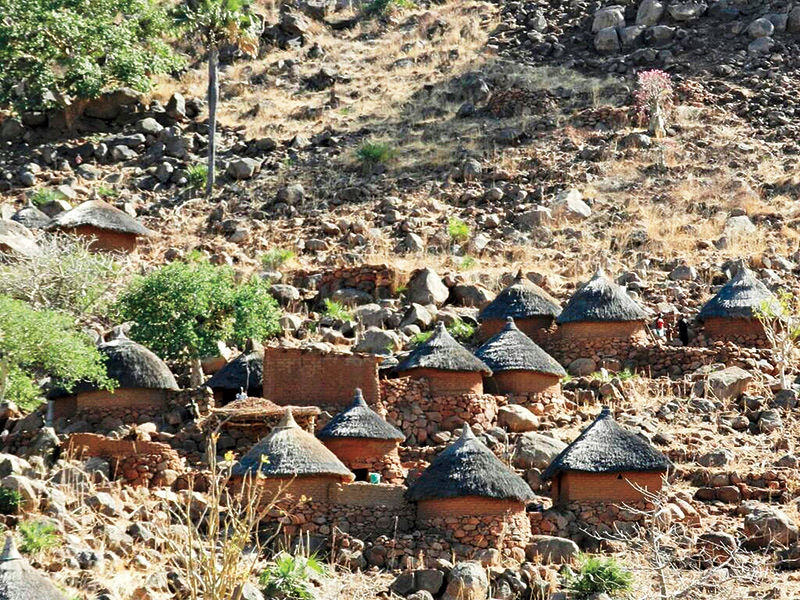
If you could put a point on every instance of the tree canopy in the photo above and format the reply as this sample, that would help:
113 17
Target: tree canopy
34 343
181 310
53 51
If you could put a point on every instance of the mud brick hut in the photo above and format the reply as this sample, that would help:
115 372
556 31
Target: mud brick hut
532 308
601 309
470 497
242 423
295 462
449 368
31 217
365 442
245 372
143 381
518 365
606 463
731 313
108 228
15 239
20 581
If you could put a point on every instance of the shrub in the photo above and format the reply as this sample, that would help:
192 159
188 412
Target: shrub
653 98
372 153
290 576
382 7
44 196
461 330
336 310
37 536
107 192
197 176
10 501
458 230
596 575
467 262
275 258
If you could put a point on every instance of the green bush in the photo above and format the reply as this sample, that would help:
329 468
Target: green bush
44 196
460 330
372 153
275 258
597 575
458 230
336 310
382 7
197 176
10 501
37 536
290 577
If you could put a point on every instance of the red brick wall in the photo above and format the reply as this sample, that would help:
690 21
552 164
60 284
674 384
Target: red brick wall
466 505
608 487
123 397
308 378
536 329
448 383
525 382
589 330
105 240
316 488
731 329
353 452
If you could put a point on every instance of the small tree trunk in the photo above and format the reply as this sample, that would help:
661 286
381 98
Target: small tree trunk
657 127
196 373
213 92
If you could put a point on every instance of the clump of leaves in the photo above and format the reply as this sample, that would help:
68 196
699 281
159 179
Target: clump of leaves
371 154
37 536
597 575
197 176
459 329
336 310
383 7
274 259
44 196
468 262
10 501
458 230
106 192
290 577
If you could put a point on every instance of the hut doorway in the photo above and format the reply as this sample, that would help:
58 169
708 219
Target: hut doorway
361 474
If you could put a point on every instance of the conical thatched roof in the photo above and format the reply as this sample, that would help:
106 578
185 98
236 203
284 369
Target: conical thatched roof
20 581
738 298
601 300
512 350
100 214
258 409
468 468
133 366
360 421
605 447
521 300
15 238
441 351
243 372
31 217
291 452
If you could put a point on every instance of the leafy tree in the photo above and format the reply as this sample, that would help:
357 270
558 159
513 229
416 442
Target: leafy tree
214 23
56 51
780 318
36 342
182 310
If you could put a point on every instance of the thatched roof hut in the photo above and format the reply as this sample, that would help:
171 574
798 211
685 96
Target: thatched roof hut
15 238
257 410
20 581
243 372
601 300
605 447
521 300
512 350
442 352
31 217
360 421
739 298
291 452
100 215
133 366
468 468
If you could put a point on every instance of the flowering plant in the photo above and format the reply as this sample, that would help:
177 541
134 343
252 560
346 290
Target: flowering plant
653 97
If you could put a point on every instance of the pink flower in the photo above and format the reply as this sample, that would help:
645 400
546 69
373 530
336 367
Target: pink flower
653 92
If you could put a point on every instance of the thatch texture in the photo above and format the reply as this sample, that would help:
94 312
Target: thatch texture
605 447
468 468
521 300
100 214
360 421
20 581
739 298
441 351
31 217
512 350
248 409
601 300
133 366
291 452
246 372
15 238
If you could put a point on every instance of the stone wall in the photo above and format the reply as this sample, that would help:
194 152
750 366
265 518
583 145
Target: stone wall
376 456
380 281
448 383
407 405
576 520
771 485
136 462
240 437
744 332
304 377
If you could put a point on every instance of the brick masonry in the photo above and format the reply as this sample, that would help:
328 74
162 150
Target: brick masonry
105 240
448 383
376 456
607 487
525 383
539 329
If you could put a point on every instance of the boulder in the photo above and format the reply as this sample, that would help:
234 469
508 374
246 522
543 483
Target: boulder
739 224
243 168
377 341
581 367
729 384
551 550
793 22
534 450
608 18
29 500
417 315
426 287
606 41
517 419
686 11
770 420
716 458
768 526
649 13
467 581
759 28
